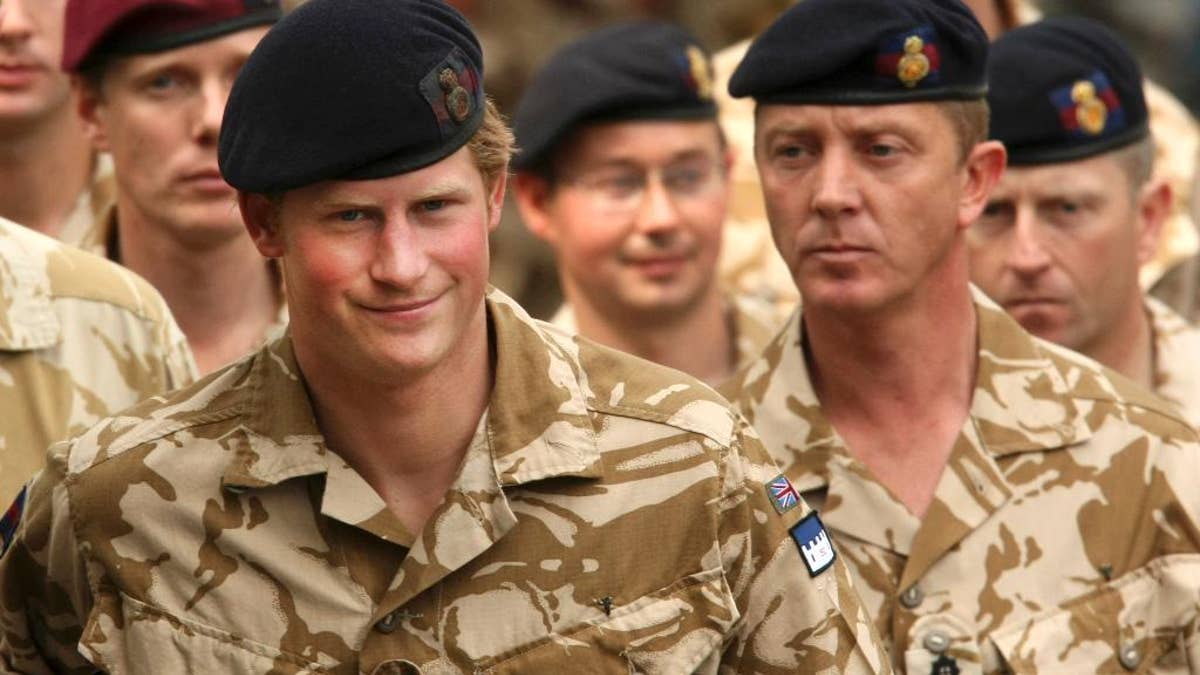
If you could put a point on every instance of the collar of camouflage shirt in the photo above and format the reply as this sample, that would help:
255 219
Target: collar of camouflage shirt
27 318
537 423
1023 402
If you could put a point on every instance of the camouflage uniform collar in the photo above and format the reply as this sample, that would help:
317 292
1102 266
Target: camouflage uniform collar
1022 402
27 318
538 423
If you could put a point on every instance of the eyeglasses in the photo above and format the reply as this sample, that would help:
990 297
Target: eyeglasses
622 189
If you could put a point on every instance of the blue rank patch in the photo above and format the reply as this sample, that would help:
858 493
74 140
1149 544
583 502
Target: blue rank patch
815 546
11 521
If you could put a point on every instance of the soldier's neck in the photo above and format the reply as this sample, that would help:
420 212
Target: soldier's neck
697 340
405 433
898 386
45 165
223 293
1127 344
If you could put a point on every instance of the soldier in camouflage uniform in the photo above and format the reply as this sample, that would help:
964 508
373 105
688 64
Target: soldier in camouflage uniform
79 339
623 170
417 478
1079 209
1004 505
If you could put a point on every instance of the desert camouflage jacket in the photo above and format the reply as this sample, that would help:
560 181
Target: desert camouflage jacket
1063 533
755 323
80 338
610 516
1176 359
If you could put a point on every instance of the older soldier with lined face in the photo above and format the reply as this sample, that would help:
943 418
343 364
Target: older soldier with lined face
419 477
1004 505
1078 211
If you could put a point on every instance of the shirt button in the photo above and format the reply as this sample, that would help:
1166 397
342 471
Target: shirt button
936 642
912 597
1130 657
396 668
388 624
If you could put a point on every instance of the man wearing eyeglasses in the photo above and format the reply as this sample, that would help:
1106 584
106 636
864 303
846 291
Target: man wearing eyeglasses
624 172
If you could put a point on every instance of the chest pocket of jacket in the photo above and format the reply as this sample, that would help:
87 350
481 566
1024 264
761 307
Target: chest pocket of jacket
153 641
678 629
1144 622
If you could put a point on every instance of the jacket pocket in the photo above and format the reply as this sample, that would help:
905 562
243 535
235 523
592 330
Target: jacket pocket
126 636
678 629
1144 622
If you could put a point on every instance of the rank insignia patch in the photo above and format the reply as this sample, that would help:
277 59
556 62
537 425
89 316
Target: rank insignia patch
1089 107
815 546
783 496
11 521
911 57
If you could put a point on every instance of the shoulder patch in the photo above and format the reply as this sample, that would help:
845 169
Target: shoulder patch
783 496
11 521
815 546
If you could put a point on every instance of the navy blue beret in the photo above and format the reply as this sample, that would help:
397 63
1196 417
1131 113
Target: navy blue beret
352 90
1064 89
866 52
642 70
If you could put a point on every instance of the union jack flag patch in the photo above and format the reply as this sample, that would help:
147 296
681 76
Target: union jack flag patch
10 521
783 496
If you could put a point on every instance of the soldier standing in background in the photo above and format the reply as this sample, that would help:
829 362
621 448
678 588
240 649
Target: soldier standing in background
623 171
1080 207
50 178
152 77
418 477
1005 505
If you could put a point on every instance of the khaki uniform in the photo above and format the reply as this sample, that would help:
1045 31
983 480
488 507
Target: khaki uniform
92 206
754 324
609 517
1176 359
80 338
1063 534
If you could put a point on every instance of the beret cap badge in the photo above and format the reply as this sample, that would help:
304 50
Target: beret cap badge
914 65
1090 111
458 99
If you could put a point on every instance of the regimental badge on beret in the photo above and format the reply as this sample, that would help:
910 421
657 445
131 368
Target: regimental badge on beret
452 90
698 73
911 57
1089 107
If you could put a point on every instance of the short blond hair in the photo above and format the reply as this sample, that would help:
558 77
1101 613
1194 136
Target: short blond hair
492 145
970 120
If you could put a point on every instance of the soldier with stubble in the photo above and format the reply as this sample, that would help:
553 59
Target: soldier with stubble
1005 505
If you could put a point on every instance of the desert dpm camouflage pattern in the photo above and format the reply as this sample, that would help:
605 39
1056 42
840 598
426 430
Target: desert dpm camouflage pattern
1062 537
610 516
80 338
755 323
1176 359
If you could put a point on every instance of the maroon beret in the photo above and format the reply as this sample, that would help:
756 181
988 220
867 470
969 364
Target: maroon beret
122 27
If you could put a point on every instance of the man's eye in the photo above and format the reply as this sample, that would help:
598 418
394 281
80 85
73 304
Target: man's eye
1068 207
434 204
623 184
881 150
351 216
162 82
789 151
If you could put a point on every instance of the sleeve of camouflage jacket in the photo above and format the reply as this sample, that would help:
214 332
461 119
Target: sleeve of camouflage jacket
44 594
791 622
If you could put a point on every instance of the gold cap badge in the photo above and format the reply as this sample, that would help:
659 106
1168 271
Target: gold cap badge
1090 111
701 72
458 99
914 65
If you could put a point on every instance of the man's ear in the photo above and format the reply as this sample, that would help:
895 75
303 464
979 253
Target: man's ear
89 104
983 168
533 195
1154 204
261 217
496 200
